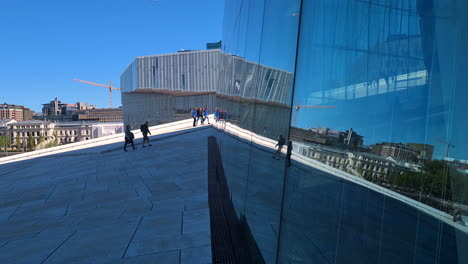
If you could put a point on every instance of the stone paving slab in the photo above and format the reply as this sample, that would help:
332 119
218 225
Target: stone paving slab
144 206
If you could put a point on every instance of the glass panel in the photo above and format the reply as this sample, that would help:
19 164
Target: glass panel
379 172
255 91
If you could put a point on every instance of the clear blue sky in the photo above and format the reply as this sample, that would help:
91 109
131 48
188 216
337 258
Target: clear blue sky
45 44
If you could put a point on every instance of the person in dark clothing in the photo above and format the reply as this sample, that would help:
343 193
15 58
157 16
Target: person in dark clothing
280 144
288 153
194 115
145 130
222 118
128 137
221 115
200 115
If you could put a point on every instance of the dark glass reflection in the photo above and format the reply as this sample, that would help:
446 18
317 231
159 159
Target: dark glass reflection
380 171
255 92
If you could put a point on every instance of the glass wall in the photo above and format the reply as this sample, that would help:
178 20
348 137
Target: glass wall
343 129
254 97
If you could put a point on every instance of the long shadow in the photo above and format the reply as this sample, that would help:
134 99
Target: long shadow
231 239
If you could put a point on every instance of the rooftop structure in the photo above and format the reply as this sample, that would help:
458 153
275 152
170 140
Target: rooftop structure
163 88
215 45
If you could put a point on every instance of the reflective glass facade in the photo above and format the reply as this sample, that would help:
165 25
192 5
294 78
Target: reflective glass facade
371 95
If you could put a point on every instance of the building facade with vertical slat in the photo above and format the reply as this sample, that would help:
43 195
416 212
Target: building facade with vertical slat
164 88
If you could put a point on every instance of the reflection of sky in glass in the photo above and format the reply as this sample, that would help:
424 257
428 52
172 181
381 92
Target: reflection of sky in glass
371 61
262 31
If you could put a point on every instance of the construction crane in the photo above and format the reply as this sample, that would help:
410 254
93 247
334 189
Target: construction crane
445 173
102 85
448 146
298 107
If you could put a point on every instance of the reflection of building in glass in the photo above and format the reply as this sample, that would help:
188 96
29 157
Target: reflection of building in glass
423 151
396 150
361 164
163 88
349 139
387 77
410 152
394 71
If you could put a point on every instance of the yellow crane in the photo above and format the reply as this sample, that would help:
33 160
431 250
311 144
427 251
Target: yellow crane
102 85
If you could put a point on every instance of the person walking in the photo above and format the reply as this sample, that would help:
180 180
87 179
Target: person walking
206 112
216 114
128 137
194 115
222 118
288 153
145 130
280 144
200 115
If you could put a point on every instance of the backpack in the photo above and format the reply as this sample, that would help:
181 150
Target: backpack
141 128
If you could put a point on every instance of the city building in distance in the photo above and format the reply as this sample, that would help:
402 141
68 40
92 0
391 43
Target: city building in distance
100 115
17 112
81 111
41 133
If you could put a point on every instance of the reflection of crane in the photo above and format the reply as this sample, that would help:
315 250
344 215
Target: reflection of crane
446 170
103 85
299 106
448 146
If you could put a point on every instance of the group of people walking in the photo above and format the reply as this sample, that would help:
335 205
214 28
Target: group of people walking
220 115
129 136
200 115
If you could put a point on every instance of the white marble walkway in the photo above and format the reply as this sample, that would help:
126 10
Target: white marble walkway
104 205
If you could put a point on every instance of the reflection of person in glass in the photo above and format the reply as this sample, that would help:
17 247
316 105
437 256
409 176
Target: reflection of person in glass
200 115
206 112
194 115
216 114
280 144
457 217
288 153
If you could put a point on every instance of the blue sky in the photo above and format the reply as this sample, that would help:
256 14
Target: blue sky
45 44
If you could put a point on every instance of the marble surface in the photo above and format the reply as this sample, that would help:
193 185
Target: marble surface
148 205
